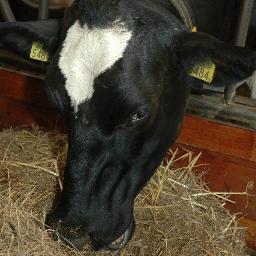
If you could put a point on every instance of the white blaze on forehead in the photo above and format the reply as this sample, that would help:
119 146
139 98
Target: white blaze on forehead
86 54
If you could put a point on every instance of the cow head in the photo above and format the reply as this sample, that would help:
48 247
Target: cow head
119 75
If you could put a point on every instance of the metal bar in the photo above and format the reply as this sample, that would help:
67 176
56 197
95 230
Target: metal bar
244 22
43 12
6 11
183 11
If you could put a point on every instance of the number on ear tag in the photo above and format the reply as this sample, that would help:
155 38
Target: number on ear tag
204 71
38 52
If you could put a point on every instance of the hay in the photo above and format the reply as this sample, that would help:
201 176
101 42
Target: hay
175 214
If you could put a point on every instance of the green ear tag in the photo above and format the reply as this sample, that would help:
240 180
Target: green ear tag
204 71
38 52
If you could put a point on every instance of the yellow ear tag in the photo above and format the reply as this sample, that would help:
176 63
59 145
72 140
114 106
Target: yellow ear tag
194 29
38 52
204 71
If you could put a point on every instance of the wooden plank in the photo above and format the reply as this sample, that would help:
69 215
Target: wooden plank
218 137
241 114
23 88
16 113
12 62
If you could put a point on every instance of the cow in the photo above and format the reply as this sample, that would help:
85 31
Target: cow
119 73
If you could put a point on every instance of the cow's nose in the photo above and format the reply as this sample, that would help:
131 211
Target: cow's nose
123 239
71 236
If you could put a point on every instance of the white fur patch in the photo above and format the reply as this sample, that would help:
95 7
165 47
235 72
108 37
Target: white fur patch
86 54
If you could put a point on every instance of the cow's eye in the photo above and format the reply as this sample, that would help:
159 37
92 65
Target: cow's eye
140 115
136 119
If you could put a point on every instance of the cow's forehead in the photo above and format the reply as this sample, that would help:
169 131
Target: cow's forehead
87 53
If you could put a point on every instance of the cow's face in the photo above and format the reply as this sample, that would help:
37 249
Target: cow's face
124 105
119 75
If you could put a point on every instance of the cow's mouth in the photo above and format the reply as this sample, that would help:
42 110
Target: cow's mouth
123 239
73 237
77 238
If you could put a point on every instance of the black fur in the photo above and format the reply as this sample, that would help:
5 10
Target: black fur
19 36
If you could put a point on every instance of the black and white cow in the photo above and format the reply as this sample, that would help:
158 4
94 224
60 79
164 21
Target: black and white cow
119 75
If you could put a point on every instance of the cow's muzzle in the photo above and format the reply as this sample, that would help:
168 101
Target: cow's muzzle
77 237
123 239
73 237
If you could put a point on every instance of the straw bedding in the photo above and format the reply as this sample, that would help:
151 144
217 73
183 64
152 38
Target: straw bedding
175 214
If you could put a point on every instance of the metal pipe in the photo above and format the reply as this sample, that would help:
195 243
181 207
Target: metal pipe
182 9
6 11
244 22
43 12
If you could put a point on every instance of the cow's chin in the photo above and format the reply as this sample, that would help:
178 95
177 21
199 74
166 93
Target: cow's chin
77 238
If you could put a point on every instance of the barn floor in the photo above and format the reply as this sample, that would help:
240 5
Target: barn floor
175 214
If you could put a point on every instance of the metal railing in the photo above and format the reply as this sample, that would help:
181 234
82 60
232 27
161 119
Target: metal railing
244 19
7 13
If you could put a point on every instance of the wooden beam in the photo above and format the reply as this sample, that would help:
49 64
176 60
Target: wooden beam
23 88
241 113
219 137
16 113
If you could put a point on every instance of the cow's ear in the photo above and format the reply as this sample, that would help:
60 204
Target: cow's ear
209 60
35 38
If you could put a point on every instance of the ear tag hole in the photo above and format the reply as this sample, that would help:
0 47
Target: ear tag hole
38 52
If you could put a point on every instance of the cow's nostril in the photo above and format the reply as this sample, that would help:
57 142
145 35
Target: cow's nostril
123 239
51 222
73 237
